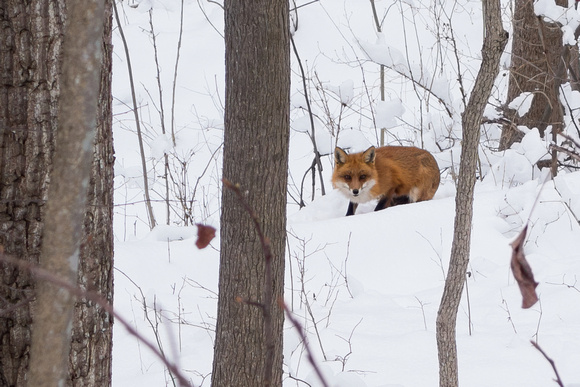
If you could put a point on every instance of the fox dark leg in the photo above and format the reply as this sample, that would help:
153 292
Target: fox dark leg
382 204
393 201
351 208
401 200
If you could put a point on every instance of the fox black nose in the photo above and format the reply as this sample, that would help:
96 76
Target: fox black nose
355 192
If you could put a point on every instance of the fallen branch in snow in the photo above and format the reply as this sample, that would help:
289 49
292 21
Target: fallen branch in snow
557 380
45 275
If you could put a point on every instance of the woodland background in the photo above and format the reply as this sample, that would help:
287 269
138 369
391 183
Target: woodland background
402 297
367 288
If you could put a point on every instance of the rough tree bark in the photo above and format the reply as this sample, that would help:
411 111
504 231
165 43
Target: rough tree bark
30 48
493 46
30 66
67 194
90 361
536 55
255 157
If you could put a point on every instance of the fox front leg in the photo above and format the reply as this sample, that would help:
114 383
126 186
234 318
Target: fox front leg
383 203
351 208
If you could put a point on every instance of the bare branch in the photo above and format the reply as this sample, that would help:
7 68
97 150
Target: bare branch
312 134
557 380
152 222
175 74
309 355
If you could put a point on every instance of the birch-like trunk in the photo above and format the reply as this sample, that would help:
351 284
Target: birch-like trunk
493 46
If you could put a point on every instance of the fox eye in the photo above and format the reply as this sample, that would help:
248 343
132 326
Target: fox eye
363 177
347 178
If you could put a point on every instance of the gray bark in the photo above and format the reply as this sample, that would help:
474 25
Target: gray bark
60 253
493 46
30 66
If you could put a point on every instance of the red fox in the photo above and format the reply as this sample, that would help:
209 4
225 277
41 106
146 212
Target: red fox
392 174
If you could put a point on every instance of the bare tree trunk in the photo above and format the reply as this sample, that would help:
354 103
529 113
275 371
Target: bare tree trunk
493 46
536 54
30 66
67 196
92 333
256 142
29 63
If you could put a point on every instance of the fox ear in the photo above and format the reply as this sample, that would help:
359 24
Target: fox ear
339 156
369 155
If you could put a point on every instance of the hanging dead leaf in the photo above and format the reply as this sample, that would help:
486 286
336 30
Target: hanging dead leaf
523 272
204 235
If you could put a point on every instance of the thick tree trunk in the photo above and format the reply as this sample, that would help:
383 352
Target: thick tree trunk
68 191
493 46
92 334
255 157
30 51
536 55
30 47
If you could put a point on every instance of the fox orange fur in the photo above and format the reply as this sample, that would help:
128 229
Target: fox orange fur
392 174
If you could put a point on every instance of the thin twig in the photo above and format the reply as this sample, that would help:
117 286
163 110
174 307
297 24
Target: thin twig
154 326
569 152
303 5
469 323
152 222
309 355
378 26
572 153
310 114
207 16
161 112
557 380
175 75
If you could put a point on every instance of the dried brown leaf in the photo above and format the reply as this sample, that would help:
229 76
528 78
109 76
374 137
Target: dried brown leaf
204 235
523 272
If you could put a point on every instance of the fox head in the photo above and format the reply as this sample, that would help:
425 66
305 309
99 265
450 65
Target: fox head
355 174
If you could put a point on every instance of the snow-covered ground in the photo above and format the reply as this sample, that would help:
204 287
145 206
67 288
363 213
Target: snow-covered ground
367 287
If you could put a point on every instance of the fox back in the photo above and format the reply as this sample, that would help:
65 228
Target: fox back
392 174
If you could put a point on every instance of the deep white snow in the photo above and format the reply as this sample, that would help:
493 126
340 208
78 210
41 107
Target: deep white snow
366 288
